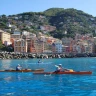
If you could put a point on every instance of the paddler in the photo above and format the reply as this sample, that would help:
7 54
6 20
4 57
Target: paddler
59 68
18 67
39 61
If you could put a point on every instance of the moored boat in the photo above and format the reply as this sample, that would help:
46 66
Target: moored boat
23 70
66 72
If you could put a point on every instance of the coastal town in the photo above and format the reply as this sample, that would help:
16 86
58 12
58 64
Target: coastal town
27 38
29 43
47 47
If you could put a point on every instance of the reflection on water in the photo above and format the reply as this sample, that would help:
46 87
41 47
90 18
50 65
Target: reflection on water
5 64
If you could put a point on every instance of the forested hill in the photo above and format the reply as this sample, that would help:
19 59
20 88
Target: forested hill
71 21
68 22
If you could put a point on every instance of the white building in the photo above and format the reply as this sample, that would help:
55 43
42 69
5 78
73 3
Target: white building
16 35
6 43
8 24
58 46
17 32
78 49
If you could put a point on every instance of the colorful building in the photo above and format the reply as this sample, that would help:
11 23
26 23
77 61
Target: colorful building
57 46
20 45
4 36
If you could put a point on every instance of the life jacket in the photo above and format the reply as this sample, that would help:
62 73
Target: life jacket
59 68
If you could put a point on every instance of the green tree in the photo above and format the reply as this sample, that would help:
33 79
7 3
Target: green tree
1 45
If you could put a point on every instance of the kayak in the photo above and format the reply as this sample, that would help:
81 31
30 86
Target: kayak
23 70
66 72
41 63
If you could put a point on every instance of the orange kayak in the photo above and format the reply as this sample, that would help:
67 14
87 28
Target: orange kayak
66 72
23 70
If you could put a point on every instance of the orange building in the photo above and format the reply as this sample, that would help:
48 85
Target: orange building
36 46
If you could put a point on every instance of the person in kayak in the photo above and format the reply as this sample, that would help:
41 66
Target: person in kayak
59 68
39 61
18 67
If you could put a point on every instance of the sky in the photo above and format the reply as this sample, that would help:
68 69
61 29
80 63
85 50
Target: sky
11 7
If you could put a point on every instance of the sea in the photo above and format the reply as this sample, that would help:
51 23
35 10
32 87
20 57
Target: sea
29 84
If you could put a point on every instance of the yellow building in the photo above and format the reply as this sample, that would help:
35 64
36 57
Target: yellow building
20 45
4 36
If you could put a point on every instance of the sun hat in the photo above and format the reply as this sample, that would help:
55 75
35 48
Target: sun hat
60 64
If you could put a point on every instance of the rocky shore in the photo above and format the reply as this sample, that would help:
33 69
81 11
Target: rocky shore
12 55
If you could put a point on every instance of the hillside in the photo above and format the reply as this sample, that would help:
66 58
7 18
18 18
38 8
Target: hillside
68 22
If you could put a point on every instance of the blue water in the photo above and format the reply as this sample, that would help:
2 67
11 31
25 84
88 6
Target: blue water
28 84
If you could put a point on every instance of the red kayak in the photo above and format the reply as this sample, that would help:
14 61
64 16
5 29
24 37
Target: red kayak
23 70
66 72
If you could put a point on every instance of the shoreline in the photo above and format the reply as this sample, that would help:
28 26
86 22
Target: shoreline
12 55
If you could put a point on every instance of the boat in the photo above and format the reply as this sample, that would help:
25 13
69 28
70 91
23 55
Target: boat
41 63
23 70
66 72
